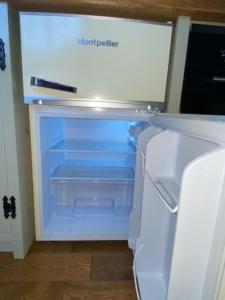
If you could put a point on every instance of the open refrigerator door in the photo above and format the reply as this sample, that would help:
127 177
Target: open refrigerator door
178 252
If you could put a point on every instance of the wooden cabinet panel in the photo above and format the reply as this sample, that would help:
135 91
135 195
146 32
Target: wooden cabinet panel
143 9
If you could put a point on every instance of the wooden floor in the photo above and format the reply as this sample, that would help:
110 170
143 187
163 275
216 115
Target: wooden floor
69 271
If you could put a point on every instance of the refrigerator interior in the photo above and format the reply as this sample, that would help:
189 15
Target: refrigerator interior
169 156
87 168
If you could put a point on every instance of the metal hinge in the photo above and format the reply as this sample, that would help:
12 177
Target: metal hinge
2 55
9 208
153 109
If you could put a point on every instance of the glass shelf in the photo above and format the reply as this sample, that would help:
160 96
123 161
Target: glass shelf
94 146
71 173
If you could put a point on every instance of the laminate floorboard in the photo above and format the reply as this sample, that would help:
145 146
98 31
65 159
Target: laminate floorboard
69 271
47 267
114 267
109 247
120 290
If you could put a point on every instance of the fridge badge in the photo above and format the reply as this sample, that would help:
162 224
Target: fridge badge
97 43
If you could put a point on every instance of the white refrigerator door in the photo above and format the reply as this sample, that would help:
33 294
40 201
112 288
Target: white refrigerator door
104 58
180 246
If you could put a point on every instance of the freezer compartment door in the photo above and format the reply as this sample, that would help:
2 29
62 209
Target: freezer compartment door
104 58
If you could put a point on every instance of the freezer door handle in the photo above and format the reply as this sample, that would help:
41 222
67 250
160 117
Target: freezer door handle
35 81
218 79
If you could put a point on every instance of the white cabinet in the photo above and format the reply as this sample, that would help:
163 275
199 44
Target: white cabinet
16 234
5 224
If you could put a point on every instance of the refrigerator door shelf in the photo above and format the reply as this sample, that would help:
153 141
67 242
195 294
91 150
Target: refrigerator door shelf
135 217
166 197
169 190
169 154
152 262
148 284
151 284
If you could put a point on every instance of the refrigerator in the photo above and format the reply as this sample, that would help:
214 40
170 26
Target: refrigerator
110 166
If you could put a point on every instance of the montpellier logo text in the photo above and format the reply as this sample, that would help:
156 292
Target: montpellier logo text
97 43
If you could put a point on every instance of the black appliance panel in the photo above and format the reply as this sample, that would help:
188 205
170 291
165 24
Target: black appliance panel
204 79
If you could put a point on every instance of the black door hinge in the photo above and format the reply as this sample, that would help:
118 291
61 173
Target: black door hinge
9 208
2 55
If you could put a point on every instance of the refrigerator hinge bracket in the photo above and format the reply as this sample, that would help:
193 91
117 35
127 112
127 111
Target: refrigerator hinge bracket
153 109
